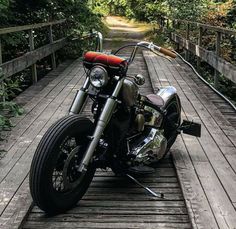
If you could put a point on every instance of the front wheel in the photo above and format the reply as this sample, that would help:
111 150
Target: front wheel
56 185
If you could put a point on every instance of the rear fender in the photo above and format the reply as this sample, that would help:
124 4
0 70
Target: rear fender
167 94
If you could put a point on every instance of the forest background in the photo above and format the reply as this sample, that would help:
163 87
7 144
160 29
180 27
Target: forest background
82 16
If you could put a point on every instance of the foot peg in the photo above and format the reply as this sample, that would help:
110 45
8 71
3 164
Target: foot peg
159 195
190 128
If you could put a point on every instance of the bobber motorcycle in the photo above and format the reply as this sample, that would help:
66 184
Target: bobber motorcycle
128 133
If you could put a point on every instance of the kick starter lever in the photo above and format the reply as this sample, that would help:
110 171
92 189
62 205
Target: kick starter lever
160 195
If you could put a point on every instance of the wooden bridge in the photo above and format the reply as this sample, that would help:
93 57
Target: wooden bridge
198 177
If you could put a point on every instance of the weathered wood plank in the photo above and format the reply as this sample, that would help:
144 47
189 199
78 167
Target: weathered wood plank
93 218
220 204
114 225
114 210
143 179
17 209
130 204
130 196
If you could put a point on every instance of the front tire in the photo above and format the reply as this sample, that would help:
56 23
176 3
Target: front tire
55 183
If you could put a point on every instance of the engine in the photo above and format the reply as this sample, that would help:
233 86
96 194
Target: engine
149 148
149 144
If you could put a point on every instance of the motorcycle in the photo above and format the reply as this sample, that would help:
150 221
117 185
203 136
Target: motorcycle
129 133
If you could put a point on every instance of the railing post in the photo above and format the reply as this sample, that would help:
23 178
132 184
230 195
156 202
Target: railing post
178 24
187 39
2 83
0 51
175 26
34 69
216 75
53 57
199 44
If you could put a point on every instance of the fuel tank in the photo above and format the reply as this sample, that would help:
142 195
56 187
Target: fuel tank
129 92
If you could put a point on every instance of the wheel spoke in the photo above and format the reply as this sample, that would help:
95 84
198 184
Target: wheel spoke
65 175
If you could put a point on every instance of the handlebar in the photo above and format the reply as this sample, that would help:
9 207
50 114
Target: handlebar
152 47
144 44
148 45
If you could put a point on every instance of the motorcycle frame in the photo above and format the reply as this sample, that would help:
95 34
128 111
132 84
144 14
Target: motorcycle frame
109 106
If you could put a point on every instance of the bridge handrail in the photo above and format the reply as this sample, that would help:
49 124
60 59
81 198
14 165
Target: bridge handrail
213 58
206 26
29 27
30 58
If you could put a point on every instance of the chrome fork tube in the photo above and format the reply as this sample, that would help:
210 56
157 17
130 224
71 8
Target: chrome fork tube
103 120
80 98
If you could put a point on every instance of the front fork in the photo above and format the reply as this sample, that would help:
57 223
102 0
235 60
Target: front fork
103 120
80 98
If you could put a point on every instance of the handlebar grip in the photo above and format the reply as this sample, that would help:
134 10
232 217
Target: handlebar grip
167 52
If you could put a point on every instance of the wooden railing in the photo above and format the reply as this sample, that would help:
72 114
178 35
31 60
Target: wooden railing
30 58
213 58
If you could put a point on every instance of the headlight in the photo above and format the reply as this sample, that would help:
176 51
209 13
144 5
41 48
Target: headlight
98 76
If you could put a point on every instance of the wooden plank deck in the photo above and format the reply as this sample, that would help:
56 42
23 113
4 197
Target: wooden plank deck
107 195
205 166
115 202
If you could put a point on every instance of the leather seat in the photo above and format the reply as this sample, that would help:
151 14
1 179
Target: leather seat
156 100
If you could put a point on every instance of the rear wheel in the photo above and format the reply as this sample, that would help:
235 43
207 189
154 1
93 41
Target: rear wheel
172 121
56 185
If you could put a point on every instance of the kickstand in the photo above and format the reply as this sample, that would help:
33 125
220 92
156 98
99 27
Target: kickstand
160 195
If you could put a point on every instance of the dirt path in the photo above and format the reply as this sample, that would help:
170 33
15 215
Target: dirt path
122 31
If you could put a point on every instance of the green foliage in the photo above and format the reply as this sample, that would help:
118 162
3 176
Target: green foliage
231 16
8 108
21 12
149 10
185 9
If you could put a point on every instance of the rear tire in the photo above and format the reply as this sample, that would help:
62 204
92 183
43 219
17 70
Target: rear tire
172 122
55 164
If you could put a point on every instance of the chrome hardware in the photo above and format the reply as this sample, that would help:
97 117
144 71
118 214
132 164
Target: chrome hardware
160 195
139 79
80 98
167 93
103 120
156 118
151 149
